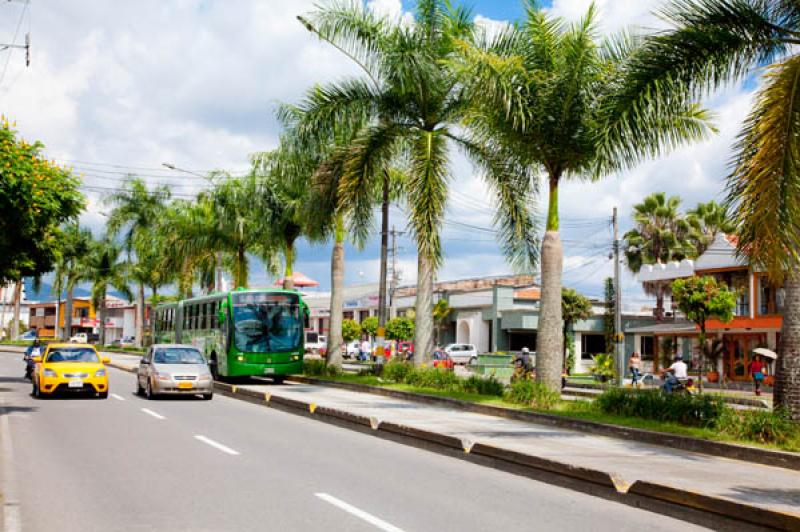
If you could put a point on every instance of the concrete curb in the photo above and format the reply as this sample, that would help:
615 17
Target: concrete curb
703 509
758 455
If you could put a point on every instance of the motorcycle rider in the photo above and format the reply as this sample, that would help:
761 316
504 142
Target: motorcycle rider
34 350
675 375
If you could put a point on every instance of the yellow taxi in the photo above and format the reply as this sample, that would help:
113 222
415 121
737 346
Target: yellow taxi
70 368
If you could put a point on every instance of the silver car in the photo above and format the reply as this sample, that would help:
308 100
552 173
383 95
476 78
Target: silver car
174 369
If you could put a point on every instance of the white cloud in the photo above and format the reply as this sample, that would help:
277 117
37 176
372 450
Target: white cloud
613 15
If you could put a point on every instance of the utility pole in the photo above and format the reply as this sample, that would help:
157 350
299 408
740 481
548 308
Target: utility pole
619 335
395 274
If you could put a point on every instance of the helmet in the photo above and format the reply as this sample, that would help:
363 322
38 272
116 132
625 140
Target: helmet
525 350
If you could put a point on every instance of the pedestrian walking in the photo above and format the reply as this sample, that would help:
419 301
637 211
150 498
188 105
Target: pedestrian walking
365 350
757 373
635 367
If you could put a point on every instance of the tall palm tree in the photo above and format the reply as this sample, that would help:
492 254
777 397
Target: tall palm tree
716 42
414 104
284 178
548 91
105 268
708 220
191 243
660 235
135 214
76 244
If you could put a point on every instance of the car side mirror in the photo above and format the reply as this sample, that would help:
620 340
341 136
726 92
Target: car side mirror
144 361
105 360
36 359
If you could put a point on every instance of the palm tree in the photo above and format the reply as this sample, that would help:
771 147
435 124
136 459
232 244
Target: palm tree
660 235
76 243
105 268
136 212
413 105
717 42
189 251
574 307
441 310
708 220
283 176
549 92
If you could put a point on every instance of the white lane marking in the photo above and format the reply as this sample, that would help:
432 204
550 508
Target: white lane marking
117 397
151 413
212 443
361 514
12 518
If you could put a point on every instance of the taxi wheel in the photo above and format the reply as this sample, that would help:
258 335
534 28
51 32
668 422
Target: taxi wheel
103 395
139 390
208 396
36 393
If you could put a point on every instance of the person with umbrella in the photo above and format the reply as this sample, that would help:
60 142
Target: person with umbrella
756 371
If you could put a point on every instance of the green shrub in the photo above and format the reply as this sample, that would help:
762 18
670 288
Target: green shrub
319 368
439 379
694 410
481 386
604 366
762 426
396 371
531 393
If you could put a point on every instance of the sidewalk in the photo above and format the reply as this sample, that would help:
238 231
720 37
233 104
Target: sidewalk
770 488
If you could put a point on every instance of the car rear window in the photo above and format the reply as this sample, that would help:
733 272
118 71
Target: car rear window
72 354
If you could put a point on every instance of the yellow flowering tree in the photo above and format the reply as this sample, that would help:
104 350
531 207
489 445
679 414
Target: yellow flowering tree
36 197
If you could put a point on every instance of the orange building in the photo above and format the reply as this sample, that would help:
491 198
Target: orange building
757 317
43 317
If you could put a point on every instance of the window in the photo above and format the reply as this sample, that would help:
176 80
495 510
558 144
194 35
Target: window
648 347
214 305
770 297
592 344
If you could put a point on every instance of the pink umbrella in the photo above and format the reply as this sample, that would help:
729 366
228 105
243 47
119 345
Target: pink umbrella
299 279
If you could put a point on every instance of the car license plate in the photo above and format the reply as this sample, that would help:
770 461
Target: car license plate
269 371
75 384
185 385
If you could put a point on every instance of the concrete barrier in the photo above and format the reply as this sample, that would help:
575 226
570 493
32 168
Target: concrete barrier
724 507
758 455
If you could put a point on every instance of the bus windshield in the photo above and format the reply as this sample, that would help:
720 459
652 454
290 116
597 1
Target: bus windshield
267 323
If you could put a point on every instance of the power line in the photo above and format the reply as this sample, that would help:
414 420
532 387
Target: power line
14 41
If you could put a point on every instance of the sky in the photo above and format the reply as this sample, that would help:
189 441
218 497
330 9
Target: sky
121 87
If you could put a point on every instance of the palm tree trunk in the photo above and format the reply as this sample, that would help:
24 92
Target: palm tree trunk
140 315
68 312
101 313
423 331
659 302
787 367
15 320
384 251
337 297
241 268
288 272
549 342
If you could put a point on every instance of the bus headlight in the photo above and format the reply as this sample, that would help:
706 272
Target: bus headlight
240 358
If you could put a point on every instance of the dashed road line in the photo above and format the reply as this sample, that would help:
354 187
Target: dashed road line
361 514
117 397
216 445
151 413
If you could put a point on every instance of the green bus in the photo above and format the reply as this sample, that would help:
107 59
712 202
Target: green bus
243 333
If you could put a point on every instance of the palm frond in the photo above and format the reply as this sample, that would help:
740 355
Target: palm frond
764 186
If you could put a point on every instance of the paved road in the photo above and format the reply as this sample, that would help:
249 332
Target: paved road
89 464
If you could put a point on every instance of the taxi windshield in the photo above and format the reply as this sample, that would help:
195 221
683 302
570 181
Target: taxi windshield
72 354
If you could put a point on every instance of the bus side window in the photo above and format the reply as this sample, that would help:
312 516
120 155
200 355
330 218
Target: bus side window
226 341
213 313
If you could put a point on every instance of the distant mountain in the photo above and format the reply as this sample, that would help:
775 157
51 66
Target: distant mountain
46 292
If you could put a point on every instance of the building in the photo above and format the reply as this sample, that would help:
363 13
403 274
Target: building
120 318
493 313
7 305
757 317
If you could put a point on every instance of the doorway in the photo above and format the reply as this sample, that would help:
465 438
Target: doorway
738 353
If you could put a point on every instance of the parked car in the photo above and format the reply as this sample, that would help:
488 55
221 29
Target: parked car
316 343
351 349
461 353
440 359
174 369
29 336
79 338
70 368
